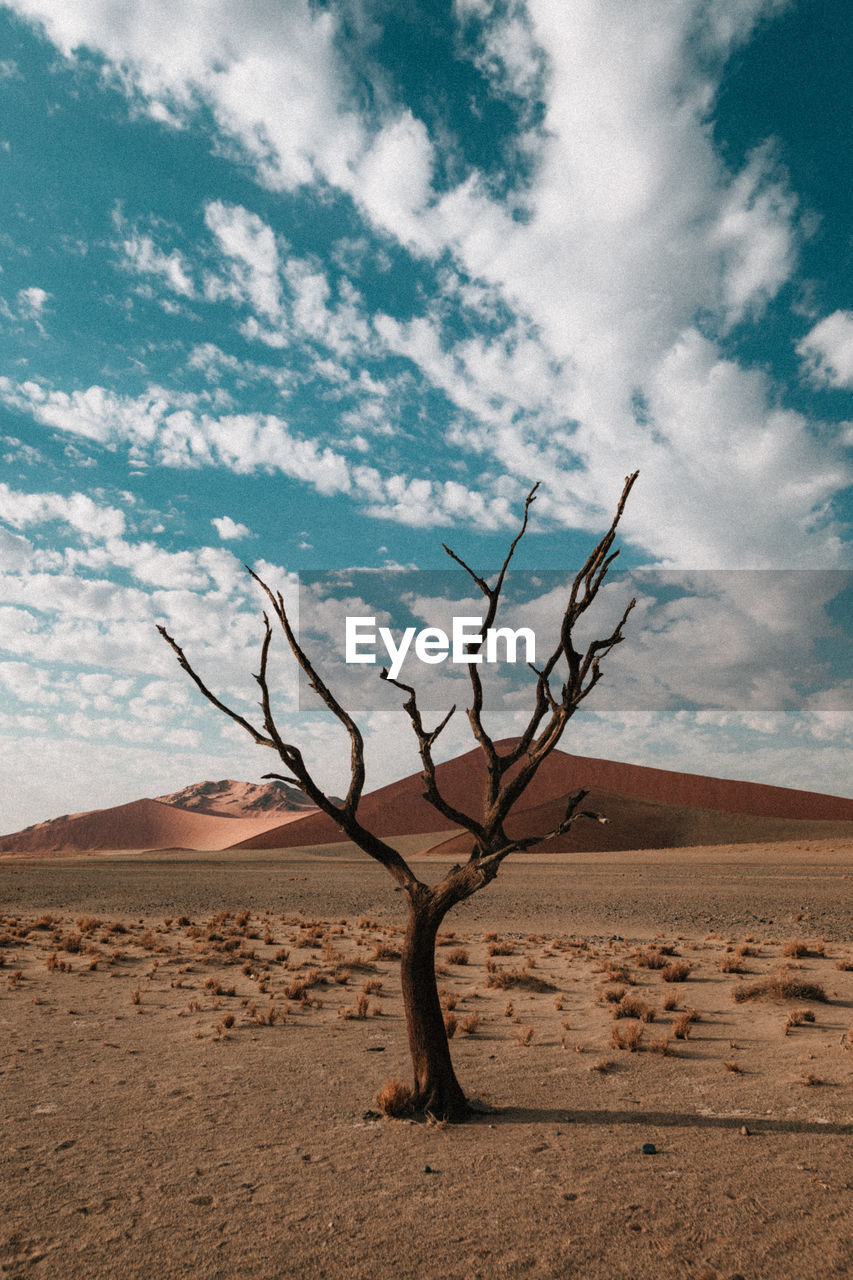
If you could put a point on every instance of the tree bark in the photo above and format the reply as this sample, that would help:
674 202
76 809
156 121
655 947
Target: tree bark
437 1092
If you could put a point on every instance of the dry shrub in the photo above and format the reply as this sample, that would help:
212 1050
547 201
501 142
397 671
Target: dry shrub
524 1036
372 986
808 1078
796 1017
681 1025
385 951
653 957
341 977
450 1024
794 948
733 1066
660 1044
626 1035
780 986
47 921
469 1023
299 989
618 973
504 978
611 995
731 964
394 1098
746 950
496 948
844 966
458 955
634 1007
136 996
602 1065
670 1001
509 1009
677 971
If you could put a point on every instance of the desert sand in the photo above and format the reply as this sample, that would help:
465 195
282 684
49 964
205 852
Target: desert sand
193 1044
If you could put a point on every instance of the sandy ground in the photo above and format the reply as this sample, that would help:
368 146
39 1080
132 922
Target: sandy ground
191 1048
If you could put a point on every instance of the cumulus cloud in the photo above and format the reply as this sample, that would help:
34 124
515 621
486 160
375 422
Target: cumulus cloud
32 302
78 510
827 350
620 264
229 529
143 256
249 245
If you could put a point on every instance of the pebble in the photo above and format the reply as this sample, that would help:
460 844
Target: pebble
648 1149
744 1130
427 1168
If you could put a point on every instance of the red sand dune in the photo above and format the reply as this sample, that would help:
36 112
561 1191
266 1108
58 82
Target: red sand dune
399 808
646 808
645 824
142 824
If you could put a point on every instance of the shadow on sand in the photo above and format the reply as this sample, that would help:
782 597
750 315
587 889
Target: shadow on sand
665 1119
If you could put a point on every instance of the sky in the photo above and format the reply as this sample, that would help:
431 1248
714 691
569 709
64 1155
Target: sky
317 287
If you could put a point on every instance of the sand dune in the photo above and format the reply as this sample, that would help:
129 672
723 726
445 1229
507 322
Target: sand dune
400 809
644 824
240 799
646 808
142 824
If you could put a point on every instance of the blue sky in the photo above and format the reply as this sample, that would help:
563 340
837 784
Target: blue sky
315 286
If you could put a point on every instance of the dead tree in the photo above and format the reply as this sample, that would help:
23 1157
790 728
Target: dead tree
562 683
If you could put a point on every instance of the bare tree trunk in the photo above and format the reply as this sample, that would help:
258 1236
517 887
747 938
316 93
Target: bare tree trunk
437 1092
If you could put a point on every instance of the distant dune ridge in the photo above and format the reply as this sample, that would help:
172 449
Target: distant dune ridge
207 815
239 799
646 809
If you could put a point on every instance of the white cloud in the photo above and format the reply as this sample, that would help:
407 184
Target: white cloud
250 246
143 256
627 226
827 350
32 302
78 511
229 529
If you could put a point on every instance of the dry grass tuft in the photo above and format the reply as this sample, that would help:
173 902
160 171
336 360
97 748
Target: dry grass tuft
385 951
677 971
496 948
632 1006
504 978
457 955
469 1023
626 1035
450 1024
524 1036
611 995
394 1098
795 948
681 1025
780 986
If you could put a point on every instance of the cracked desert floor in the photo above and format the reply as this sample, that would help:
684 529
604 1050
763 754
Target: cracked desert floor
192 1046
